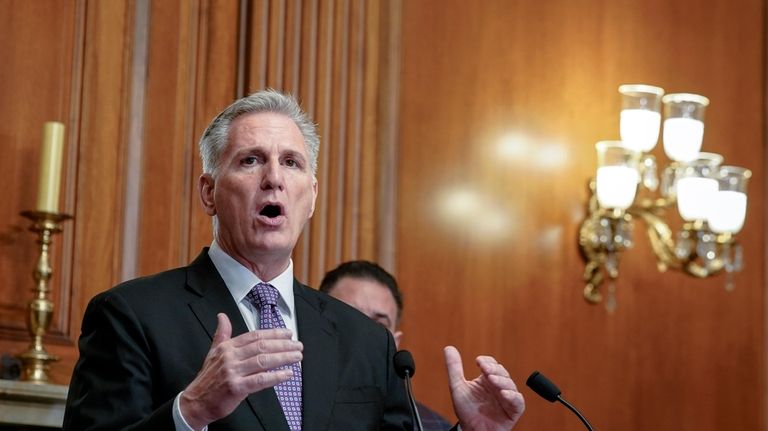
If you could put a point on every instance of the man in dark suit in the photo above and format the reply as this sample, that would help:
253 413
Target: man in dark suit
233 341
374 291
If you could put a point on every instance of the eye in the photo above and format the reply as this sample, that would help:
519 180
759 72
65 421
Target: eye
381 321
248 161
292 163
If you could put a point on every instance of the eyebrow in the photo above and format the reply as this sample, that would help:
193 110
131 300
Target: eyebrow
295 154
379 315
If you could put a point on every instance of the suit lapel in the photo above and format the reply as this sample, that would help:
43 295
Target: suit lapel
319 367
215 298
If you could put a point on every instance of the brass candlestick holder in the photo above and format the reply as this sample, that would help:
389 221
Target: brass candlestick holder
40 309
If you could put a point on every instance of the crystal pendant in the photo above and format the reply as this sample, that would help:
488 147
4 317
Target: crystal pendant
650 178
738 258
727 256
604 232
683 245
623 236
668 183
612 264
706 248
729 284
610 300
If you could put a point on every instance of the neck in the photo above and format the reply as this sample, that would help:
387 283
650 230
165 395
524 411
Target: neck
266 266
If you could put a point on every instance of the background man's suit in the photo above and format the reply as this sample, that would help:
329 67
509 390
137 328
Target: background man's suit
144 341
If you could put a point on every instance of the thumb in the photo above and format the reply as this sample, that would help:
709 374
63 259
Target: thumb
223 330
453 365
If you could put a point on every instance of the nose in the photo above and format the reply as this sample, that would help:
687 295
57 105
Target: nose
273 177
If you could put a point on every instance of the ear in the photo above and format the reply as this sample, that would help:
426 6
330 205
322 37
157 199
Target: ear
314 197
205 188
397 336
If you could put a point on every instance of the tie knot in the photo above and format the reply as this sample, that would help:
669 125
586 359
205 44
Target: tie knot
262 295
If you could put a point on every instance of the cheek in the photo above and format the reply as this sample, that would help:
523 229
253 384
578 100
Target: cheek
230 198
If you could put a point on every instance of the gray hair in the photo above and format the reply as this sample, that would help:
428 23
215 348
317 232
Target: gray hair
216 135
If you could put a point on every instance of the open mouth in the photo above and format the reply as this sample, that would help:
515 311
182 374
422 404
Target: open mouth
271 211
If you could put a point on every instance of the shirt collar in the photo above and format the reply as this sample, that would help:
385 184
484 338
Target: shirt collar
240 280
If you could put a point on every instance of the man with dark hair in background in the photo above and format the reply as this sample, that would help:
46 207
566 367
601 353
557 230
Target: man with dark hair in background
372 290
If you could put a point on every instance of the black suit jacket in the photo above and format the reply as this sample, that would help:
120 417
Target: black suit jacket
144 341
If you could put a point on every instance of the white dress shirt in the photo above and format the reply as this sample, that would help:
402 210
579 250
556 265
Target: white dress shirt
240 280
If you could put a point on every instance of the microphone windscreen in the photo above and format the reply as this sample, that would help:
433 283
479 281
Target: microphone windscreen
543 386
404 364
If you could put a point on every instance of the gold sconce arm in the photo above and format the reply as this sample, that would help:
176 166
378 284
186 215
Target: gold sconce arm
604 234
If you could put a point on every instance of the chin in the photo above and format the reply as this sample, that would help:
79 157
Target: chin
270 244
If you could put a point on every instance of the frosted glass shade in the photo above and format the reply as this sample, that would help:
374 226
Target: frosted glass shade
694 197
640 118
639 128
683 138
729 207
728 211
616 186
617 174
696 185
683 125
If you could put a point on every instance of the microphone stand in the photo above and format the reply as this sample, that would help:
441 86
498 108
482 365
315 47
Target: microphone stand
573 409
412 402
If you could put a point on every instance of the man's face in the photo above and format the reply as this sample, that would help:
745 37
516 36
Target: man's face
263 191
370 297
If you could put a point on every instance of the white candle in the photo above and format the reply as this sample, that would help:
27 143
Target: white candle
50 167
616 186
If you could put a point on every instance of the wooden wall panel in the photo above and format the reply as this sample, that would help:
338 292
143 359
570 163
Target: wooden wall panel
38 76
169 138
82 84
327 53
501 104
101 124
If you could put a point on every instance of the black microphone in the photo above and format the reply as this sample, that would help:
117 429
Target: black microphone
406 368
544 387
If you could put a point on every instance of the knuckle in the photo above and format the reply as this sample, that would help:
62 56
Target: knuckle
262 361
262 379
262 345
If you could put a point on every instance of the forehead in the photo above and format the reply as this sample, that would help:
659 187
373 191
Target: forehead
265 128
363 292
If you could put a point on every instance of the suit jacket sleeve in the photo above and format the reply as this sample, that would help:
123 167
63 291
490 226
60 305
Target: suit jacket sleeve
111 385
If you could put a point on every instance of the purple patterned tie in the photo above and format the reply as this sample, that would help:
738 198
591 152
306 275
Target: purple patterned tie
264 297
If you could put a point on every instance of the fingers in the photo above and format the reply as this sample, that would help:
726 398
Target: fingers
495 373
504 388
489 365
453 365
223 330
259 351
236 367
513 404
261 334
268 361
255 382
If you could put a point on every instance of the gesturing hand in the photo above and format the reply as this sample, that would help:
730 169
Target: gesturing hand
488 402
235 368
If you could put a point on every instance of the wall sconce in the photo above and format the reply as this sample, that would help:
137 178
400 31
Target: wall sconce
710 198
